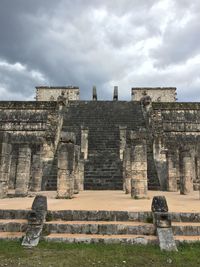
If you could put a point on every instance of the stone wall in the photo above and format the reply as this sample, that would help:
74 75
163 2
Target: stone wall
45 93
157 94
176 133
103 151
31 131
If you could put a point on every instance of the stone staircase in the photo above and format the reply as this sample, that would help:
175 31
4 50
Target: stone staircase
103 169
99 226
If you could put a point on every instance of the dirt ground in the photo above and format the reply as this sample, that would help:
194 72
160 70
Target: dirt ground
108 200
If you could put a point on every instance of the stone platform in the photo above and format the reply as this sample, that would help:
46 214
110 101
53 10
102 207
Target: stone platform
102 217
107 200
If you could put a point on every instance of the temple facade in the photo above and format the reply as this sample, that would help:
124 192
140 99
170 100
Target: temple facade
64 144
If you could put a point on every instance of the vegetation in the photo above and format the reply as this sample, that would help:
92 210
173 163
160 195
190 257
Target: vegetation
83 255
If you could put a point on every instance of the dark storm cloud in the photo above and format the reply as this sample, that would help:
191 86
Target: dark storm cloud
108 42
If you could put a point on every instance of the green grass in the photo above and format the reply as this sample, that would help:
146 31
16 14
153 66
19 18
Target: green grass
82 255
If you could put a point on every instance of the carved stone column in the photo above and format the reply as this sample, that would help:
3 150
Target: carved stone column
76 170
127 170
94 93
122 133
36 182
5 150
186 179
84 141
13 167
138 165
172 162
160 159
47 155
66 167
115 93
23 171
81 168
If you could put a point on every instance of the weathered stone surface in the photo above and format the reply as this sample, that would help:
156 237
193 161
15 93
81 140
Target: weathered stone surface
186 179
66 170
159 204
23 171
5 159
36 219
138 188
162 219
166 239
115 93
84 141
40 203
94 93
169 126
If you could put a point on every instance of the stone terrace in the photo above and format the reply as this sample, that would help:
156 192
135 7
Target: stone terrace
108 200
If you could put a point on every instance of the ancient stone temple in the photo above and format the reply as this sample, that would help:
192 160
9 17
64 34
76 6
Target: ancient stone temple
60 142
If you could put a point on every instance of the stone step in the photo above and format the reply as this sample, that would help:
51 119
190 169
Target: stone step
13 225
103 228
8 214
99 215
186 228
11 235
105 239
186 239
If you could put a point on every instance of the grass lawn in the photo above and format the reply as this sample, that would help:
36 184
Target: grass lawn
83 255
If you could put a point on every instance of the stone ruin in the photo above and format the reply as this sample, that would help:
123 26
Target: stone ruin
59 142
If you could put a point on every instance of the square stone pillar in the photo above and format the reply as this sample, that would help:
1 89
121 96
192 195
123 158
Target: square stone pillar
13 167
66 166
138 165
36 172
76 170
186 179
5 151
172 171
127 170
81 167
160 159
23 170
47 156
84 141
122 133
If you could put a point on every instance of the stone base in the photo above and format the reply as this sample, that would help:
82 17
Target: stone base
138 188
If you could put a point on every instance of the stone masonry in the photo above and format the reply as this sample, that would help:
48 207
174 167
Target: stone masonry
62 143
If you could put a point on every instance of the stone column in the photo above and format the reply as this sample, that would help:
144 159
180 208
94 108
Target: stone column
5 150
197 172
94 93
172 162
23 171
186 179
36 182
127 170
66 168
160 159
138 166
81 168
84 141
13 168
76 170
122 133
47 156
115 93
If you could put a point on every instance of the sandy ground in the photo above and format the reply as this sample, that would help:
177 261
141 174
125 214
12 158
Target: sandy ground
108 200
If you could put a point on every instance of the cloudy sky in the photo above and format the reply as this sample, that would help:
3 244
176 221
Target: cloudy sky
105 43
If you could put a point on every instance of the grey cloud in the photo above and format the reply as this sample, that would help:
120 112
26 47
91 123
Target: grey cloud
178 44
94 42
